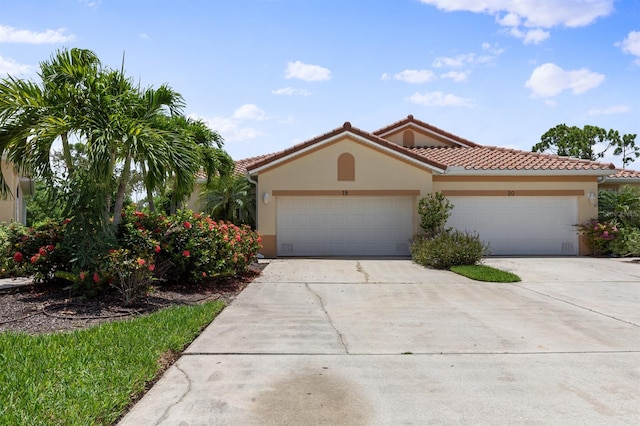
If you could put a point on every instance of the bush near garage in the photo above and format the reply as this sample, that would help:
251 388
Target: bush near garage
188 247
449 248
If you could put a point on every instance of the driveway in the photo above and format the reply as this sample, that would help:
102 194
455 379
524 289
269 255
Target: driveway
381 342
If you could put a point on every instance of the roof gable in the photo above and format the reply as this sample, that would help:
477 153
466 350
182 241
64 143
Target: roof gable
430 133
347 130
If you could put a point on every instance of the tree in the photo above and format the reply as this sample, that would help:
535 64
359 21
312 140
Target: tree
588 143
230 198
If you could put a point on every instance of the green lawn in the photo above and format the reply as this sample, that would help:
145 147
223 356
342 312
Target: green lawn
87 377
485 273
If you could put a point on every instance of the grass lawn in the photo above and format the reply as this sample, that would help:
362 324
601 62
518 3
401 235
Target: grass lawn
87 377
485 273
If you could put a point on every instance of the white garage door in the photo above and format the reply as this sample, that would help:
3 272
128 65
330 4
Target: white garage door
520 225
344 226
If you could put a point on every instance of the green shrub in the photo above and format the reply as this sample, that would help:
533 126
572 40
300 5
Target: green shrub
434 210
626 243
450 248
599 235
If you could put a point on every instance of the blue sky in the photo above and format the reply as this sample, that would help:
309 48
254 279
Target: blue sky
267 74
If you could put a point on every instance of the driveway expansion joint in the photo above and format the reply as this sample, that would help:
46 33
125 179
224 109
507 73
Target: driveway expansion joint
340 336
576 305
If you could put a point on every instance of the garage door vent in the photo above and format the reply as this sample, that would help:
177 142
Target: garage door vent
567 248
286 248
402 248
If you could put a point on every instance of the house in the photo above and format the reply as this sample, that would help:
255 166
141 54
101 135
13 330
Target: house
12 208
350 192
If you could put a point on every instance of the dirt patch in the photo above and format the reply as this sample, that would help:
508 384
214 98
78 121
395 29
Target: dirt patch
39 308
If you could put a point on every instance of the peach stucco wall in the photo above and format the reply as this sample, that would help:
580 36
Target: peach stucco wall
317 171
420 139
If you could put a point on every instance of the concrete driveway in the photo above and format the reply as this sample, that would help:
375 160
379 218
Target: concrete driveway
386 342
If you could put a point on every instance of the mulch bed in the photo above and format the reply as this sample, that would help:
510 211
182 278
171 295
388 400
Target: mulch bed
40 308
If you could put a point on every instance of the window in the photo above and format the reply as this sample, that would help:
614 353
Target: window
346 167
408 138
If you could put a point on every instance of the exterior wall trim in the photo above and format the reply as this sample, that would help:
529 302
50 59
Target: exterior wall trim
515 193
350 192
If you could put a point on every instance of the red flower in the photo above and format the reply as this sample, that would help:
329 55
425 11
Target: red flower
204 275
18 257
51 247
157 249
35 258
96 278
42 251
82 275
64 222
152 267
187 225
186 253
238 238
141 262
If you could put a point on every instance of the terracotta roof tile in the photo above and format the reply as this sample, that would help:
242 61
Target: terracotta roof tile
495 158
419 123
347 127
625 174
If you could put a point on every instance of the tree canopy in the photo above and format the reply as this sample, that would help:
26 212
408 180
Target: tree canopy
588 143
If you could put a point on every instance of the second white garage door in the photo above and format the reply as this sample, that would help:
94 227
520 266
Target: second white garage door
520 225
344 226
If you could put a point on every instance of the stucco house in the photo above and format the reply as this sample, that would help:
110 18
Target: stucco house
350 192
12 208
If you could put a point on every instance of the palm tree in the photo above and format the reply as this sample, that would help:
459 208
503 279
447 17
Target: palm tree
230 198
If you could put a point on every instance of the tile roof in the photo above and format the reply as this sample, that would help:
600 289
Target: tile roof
419 123
495 158
625 174
347 127
470 156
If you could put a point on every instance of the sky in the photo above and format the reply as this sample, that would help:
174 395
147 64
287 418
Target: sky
268 74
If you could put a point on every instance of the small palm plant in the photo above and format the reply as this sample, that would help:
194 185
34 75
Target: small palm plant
230 198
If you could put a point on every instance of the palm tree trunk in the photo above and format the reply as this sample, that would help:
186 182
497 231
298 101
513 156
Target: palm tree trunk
122 186
66 152
147 185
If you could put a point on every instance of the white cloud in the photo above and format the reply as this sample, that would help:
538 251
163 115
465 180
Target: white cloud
230 129
631 45
412 76
307 72
144 36
10 66
535 14
493 48
456 76
549 80
14 35
464 60
439 99
614 109
290 91
249 112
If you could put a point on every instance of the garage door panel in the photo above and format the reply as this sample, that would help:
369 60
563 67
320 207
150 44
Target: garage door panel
344 226
520 225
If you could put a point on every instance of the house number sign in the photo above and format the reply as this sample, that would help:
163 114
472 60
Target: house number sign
345 193
511 193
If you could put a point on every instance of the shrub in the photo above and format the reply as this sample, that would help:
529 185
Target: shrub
621 207
190 247
626 242
450 248
434 210
129 274
598 235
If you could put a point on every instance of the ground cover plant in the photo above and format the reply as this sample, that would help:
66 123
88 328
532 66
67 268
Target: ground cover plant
89 376
485 273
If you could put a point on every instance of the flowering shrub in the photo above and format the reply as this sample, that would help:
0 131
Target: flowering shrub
598 235
130 275
36 251
189 246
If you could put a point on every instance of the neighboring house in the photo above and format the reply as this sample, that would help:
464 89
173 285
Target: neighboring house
13 209
354 193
